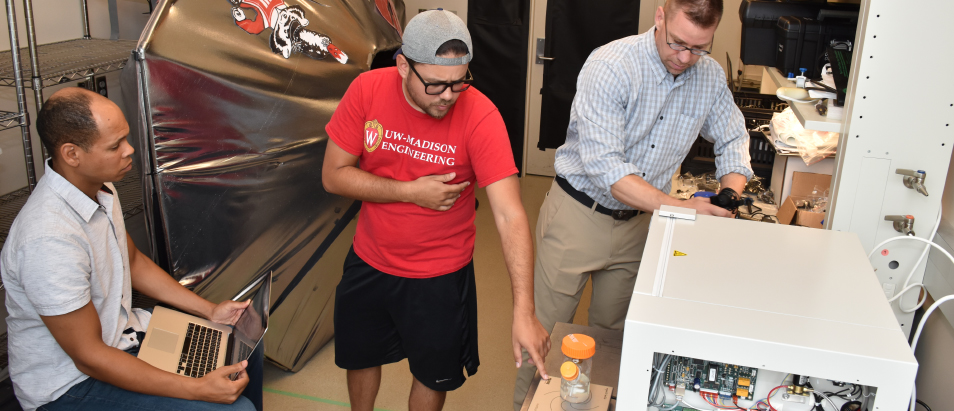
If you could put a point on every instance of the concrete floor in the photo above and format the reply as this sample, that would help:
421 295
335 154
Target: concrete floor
321 385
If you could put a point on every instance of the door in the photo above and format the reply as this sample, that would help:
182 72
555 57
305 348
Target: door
564 32
537 161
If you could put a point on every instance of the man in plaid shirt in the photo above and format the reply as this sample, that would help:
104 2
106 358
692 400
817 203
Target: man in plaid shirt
641 102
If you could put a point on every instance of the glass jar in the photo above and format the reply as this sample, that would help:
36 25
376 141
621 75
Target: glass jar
578 350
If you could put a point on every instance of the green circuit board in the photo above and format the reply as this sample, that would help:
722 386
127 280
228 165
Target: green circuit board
712 377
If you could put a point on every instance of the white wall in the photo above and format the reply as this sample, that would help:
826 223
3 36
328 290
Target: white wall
57 20
411 7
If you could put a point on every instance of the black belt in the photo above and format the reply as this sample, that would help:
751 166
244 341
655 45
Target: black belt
584 199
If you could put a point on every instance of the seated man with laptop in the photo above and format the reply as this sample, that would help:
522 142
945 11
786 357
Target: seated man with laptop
69 269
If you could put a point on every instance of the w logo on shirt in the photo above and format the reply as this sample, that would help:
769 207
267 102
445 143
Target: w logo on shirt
373 134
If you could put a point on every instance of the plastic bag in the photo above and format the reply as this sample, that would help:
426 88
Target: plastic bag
755 187
812 146
785 125
686 185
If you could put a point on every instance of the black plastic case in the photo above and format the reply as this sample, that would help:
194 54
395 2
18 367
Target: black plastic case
802 42
759 24
759 20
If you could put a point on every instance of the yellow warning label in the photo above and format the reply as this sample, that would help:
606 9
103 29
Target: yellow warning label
678 253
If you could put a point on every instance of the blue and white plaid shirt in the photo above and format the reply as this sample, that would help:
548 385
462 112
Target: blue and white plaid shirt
630 116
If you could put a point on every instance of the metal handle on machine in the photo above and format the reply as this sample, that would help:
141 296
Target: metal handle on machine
540 49
914 179
903 224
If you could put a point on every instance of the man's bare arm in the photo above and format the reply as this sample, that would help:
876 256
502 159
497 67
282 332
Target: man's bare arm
511 221
734 181
340 175
80 335
635 192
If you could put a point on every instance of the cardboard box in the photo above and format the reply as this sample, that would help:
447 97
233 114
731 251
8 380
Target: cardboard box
787 165
802 186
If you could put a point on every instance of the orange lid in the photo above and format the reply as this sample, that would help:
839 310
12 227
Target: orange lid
569 370
579 346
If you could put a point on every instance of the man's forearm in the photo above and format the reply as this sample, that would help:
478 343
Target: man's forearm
639 194
514 229
734 181
340 175
112 366
353 182
151 280
154 282
518 255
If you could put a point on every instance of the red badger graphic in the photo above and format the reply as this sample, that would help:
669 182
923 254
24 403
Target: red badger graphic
288 29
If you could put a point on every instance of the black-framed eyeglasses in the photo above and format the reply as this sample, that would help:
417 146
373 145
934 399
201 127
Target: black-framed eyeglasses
436 89
680 47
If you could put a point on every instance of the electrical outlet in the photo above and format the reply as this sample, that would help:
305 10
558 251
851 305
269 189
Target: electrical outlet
99 86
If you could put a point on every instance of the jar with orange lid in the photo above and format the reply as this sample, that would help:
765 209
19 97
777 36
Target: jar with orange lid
578 350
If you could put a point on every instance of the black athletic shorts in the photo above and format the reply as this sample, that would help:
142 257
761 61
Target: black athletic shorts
382 319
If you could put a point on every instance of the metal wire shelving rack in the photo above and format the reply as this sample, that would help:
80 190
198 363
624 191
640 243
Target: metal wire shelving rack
48 64
52 64
69 60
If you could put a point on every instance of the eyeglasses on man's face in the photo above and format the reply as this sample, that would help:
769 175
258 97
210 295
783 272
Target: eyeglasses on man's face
436 89
680 47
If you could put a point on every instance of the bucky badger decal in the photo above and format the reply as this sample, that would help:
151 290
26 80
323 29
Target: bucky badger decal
289 34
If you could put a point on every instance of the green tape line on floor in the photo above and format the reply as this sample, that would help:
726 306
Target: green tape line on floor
310 398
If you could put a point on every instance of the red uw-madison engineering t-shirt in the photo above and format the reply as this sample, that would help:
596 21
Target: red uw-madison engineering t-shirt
393 140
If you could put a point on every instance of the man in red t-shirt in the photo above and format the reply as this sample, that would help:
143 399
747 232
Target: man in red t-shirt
423 137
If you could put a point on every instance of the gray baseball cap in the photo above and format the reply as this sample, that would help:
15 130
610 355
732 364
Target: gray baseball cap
428 31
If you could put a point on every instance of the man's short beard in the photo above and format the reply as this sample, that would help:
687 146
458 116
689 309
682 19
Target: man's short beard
431 109
439 114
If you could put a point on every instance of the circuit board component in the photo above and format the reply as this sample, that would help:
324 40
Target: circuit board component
701 376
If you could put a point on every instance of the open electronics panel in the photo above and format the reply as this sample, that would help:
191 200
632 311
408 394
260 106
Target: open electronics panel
690 274
701 376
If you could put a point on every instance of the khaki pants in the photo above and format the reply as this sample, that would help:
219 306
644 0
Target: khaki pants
575 243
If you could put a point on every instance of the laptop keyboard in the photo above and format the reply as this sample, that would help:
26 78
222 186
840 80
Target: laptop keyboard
200 352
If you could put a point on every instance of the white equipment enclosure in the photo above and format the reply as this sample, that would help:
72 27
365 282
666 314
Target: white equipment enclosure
769 298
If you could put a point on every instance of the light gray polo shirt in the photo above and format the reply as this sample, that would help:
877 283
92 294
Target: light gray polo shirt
63 251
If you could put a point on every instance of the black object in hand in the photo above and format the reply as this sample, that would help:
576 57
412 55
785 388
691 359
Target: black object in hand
728 199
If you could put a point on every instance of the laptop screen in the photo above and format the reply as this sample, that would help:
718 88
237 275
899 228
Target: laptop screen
251 326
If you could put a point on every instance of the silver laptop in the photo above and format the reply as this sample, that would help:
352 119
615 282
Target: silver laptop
191 346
